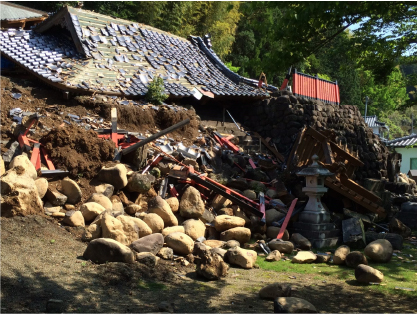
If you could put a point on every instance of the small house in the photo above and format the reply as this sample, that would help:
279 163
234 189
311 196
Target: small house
379 128
407 147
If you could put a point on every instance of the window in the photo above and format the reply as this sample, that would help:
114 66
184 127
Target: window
413 163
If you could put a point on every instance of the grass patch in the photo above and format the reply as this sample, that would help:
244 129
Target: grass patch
401 271
151 285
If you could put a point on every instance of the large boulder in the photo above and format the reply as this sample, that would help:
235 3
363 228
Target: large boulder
250 194
191 205
225 222
166 253
151 243
240 234
282 246
160 207
112 228
41 186
353 259
173 203
19 195
304 257
140 226
140 183
116 176
108 250
24 162
55 198
379 251
154 222
272 233
300 241
130 229
74 219
340 254
194 228
102 200
91 232
91 210
367 274
272 215
275 290
173 229
211 266
241 257
71 190
181 243
293 305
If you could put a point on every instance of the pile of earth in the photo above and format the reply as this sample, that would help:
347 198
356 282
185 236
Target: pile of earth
80 152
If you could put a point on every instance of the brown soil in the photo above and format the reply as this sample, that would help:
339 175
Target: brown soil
35 270
79 151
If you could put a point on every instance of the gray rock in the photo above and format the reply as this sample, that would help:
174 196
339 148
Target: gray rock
275 290
219 251
396 240
150 243
147 258
207 216
105 250
231 244
55 198
397 226
116 176
211 266
274 256
355 258
239 184
293 305
250 194
139 183
166 253
282 246
55 306
165 307
273 194
199 249
300 241
257 175
105 189
272 233
322 258
71 189
367 274
272 215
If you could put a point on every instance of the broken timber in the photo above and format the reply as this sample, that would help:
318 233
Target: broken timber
155 136
333 158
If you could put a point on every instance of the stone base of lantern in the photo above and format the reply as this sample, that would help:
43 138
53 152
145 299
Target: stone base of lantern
320 235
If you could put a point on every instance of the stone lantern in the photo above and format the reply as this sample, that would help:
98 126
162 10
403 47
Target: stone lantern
314 221
315 175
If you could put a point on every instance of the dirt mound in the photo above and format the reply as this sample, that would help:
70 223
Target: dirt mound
79 151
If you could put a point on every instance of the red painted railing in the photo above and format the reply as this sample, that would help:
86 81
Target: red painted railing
313 87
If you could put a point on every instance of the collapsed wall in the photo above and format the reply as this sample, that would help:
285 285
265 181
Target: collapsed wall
281 118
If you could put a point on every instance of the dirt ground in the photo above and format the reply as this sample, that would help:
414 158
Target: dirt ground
41 260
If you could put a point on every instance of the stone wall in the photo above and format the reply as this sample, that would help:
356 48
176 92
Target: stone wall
282 117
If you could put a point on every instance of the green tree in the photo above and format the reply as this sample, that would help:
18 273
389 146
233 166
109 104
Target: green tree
155 94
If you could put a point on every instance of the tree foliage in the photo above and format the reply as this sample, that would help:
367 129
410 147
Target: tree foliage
156 91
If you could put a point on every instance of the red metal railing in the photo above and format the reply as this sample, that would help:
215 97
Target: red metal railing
313 87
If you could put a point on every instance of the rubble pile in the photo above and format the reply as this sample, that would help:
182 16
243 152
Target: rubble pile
282 118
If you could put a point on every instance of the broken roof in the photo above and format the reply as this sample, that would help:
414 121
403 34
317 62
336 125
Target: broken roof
403 141
83 51
11 11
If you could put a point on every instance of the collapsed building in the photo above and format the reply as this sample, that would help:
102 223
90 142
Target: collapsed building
84 53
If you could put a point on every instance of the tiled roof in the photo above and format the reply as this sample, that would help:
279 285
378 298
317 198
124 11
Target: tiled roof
403 141
372 122
81 50
11 11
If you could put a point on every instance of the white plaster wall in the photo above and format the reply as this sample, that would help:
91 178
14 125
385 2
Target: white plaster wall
407 153
375 130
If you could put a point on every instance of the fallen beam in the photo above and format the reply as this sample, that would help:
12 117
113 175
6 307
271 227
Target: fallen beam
154 137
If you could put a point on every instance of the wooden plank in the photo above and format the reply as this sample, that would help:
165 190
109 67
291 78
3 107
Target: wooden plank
327 152
295 147
277 155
